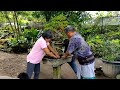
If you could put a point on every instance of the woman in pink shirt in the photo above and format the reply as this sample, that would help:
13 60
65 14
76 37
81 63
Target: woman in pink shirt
39 50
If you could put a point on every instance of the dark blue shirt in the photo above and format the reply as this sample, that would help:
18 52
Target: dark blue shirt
77 41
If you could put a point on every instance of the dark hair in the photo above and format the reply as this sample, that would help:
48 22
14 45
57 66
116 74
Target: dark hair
23 75
69 28
47 34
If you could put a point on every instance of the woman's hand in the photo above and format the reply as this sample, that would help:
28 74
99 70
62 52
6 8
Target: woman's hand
57 56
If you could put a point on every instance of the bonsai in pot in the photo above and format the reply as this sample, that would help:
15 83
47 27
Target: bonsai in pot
111 59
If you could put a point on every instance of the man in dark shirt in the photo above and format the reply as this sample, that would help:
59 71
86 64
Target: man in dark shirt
81 51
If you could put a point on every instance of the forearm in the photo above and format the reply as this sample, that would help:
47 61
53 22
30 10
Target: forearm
50 54
47 51
52 50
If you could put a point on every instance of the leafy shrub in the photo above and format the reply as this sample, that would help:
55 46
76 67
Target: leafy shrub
111 50
96 44
57 25
24 42
112 35
106 49
30 34
19 45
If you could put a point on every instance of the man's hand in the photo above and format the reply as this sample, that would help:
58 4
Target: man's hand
64 56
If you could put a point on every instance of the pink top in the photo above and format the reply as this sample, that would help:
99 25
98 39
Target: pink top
36 54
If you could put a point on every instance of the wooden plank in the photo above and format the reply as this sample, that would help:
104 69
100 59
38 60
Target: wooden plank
61 62
58 62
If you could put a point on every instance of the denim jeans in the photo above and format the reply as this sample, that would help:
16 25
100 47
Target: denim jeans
73 65
33 68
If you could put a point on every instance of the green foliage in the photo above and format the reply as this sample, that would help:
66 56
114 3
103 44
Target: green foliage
77 18
30 34
96 43
18 46
48 14
112 35
23 22
112 50
57 22
57 25
104 40
108 49
12 42
2 18
36 14
25 41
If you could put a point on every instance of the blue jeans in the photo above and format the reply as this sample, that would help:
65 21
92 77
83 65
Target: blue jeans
33 68
73 65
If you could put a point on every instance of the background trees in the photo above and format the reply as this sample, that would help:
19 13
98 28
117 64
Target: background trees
19 29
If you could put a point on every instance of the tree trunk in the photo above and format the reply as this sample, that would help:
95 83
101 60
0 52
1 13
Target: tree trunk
18 29
5 13
15 24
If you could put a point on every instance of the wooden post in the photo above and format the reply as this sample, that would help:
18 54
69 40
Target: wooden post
57 72
56 64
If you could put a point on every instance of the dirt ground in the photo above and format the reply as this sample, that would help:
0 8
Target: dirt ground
13 64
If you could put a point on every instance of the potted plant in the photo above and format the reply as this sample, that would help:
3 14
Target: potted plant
111 58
